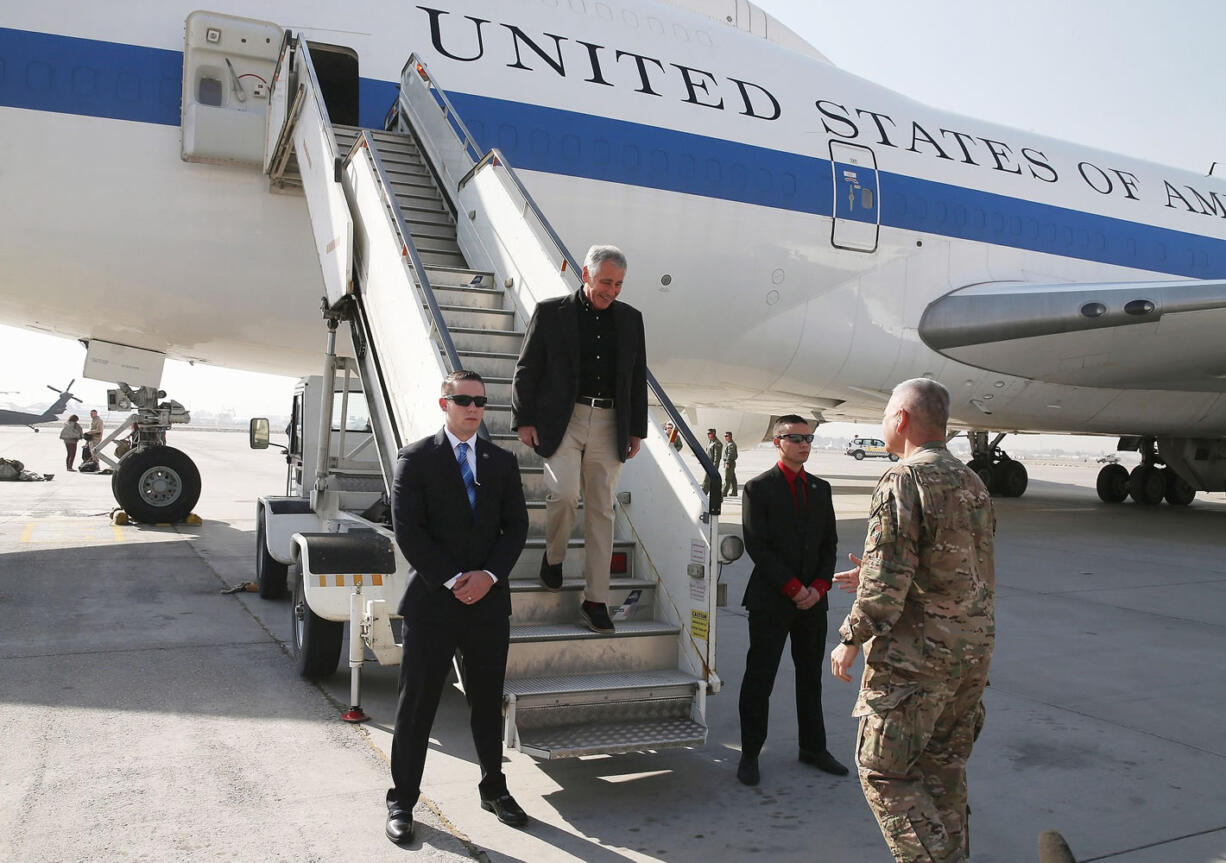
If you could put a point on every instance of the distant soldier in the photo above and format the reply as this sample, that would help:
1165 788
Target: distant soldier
729 465
93 437
714 450
925 609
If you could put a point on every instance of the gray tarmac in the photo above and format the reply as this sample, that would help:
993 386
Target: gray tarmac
149 717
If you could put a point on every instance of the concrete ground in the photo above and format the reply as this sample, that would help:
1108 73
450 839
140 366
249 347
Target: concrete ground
150 717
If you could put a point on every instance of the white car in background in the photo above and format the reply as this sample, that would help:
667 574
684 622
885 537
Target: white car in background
861 448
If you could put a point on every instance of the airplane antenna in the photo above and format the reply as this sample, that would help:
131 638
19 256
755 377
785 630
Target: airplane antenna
1211 169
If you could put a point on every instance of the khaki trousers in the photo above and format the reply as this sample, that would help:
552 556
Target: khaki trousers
586 460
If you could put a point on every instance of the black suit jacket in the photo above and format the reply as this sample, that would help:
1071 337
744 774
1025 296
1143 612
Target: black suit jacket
547 375
436 529
784 543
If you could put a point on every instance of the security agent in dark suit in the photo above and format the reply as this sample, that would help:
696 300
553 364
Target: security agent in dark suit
789 531
579 398
461 522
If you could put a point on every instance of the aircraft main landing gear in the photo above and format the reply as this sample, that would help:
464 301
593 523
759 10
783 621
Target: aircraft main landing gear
1004 476
1148 483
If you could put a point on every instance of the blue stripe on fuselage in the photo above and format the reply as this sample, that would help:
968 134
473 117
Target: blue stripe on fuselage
63 74
535 138
44 72
580 145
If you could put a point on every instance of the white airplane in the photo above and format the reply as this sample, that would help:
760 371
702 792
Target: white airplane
799 237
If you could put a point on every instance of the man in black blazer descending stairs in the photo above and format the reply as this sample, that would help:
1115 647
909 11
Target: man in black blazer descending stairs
789 530
461 522
579 398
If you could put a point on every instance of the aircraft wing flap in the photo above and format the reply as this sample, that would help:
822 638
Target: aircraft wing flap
1126 335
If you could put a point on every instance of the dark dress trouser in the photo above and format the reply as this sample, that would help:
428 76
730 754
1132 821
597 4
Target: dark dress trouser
431 636
768 630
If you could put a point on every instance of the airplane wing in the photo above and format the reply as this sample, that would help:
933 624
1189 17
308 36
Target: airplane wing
1125 335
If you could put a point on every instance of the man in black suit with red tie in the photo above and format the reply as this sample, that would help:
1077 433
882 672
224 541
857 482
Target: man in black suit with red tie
461 522
789 531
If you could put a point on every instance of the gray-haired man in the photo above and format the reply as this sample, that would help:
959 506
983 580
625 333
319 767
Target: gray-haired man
579 398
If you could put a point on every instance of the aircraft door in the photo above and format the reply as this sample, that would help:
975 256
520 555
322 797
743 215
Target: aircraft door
857 210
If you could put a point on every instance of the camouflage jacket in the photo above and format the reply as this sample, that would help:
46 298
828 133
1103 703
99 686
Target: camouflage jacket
926 602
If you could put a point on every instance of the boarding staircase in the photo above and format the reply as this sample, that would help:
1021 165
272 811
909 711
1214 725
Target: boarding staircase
425 293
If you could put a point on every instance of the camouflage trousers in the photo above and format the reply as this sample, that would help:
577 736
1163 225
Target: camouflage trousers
911 754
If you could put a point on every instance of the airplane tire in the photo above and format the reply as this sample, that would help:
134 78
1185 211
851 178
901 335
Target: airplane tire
316 642
1146 485
1178 492
270 573
1112 483
1011 478
983 469
157 485
858 456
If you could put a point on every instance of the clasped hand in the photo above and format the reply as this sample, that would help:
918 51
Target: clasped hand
472 586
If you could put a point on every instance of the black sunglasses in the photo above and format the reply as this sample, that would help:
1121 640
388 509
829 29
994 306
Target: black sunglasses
795 438
479 401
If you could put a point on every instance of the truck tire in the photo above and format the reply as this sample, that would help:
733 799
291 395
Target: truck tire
316 642
270 573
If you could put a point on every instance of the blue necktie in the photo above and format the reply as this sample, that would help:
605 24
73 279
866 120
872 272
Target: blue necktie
466 473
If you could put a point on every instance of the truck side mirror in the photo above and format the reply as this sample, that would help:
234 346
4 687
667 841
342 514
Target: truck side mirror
257 433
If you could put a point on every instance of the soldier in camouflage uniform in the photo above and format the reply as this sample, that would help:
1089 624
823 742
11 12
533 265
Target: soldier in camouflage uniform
714 450
924 609
729 465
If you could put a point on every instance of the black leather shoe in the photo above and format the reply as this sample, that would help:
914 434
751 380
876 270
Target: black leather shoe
506 810
747 771
596 616
399 827
823 761
551 574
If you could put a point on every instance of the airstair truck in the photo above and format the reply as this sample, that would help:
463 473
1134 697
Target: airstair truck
421 291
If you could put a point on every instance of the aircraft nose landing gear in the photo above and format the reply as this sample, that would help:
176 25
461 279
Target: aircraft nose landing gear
152 483
157 485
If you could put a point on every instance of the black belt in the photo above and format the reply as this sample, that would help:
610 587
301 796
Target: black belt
592 401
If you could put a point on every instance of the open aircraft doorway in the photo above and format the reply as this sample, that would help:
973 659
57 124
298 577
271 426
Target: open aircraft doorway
337 68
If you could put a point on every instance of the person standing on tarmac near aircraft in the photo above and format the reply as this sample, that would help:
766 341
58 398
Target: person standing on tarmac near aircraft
730 454
460 520
925 612
714 450
790 534
579 399
70 434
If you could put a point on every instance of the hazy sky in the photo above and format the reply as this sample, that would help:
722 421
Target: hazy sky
1141 78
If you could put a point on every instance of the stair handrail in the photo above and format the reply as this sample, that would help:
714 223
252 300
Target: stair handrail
449 112
408 248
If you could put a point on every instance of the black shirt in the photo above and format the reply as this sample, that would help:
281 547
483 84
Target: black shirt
597 350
